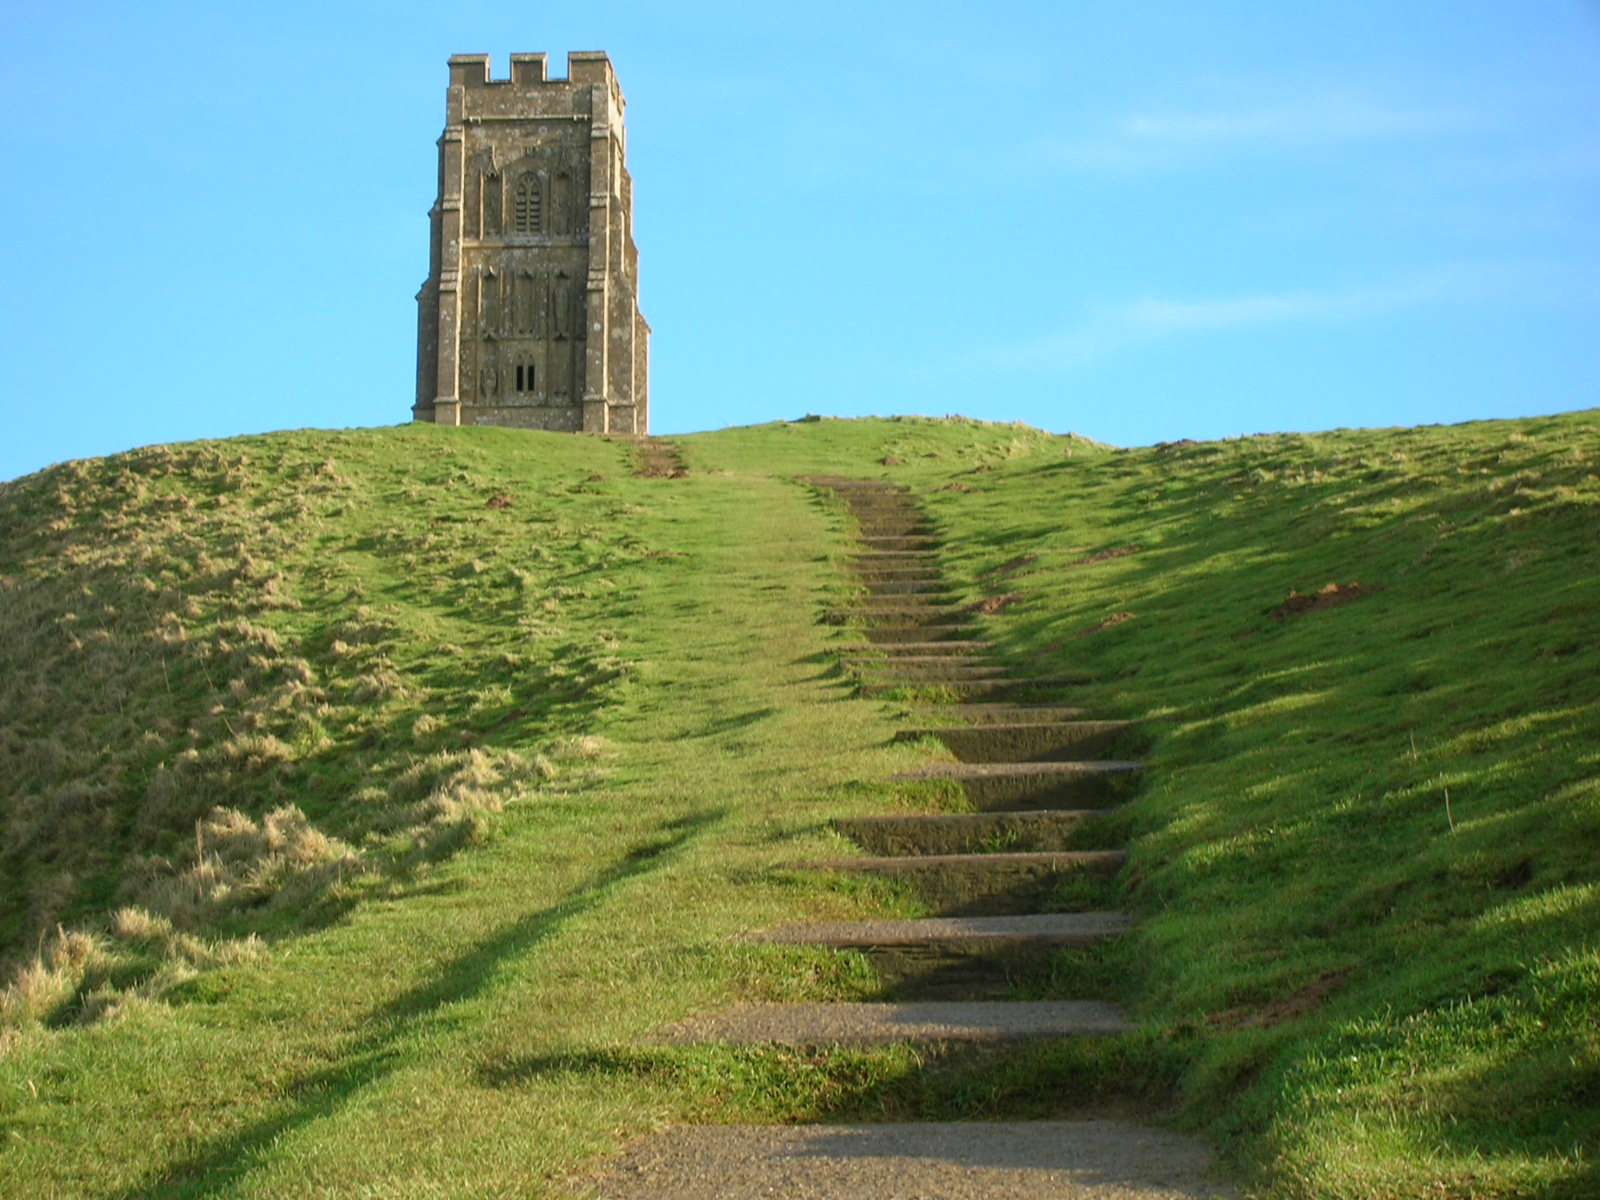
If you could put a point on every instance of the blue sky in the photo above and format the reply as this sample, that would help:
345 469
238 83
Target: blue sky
1139 220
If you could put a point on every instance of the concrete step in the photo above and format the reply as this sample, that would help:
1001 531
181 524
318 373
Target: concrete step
898 522
890 541
962 958
957 661
1052 929
876 603
1054 741
890 635
926 1022
986 689
983 884
964 646
967 833
957 669
906 587
1012 786
1003 714
914 559
966 1160
899 529
874 579
900 618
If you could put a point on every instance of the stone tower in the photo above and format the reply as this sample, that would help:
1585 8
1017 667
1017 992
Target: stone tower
530 314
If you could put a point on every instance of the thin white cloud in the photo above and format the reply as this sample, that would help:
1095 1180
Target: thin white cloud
1141 321
1172 137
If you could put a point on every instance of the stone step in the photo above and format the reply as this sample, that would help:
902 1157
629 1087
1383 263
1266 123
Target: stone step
868 618
983 884
1048 929
892 603
1003 714
875 579
985 689
1054 741
967 833
966 646
888 606
914 559
958 662
953 669
1012 786
967 1160
890 541
926 1022
893 634
906 587
963 958
901 522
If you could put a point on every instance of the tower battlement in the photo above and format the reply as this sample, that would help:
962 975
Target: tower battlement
530 316
583 66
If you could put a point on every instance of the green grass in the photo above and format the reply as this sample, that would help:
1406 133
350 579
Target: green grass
390 786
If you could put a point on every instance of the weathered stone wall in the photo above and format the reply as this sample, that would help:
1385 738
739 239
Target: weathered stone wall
530 313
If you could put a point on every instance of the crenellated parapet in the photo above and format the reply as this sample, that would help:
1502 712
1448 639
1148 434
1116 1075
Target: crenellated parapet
530 315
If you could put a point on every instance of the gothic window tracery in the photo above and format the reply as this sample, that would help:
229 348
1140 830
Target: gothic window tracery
527 209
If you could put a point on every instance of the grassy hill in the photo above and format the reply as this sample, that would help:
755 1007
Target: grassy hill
369 796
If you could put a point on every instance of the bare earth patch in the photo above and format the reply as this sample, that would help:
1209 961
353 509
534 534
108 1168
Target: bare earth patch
1284 1008
1105 555
993 604
659 460
1113 619
1335 593
1010 566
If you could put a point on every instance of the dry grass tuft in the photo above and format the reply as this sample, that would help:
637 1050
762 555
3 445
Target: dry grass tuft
49 980
238 863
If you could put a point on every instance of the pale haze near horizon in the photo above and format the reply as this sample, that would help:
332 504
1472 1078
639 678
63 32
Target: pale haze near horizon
1139 222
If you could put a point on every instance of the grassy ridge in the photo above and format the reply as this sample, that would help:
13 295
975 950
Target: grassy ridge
236 686
391 785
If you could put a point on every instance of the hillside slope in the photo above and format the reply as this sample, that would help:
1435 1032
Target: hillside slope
387 787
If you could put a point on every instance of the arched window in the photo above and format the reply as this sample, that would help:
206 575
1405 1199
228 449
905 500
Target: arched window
527 208
525 381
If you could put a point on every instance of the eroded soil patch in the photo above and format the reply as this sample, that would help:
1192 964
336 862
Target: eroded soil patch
1335 593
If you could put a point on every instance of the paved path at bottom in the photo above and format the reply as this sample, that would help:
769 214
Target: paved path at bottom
967 1160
